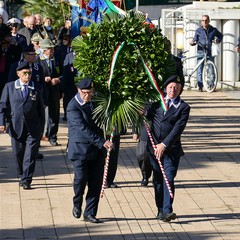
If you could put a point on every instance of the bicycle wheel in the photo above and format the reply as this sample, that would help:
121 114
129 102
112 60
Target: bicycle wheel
210 77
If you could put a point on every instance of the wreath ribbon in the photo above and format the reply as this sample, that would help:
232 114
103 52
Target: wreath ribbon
162 102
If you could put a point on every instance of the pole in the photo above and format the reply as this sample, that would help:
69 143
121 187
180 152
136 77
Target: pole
137 5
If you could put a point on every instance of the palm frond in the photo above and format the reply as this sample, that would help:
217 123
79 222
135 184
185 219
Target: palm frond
111 16
137 15
130 87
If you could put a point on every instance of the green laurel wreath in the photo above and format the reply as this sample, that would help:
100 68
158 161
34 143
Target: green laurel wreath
130 87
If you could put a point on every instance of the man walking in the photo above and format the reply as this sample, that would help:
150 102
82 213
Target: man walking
166 129
22 104
85 149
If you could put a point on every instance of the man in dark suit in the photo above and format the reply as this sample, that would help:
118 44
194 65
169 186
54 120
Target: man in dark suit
166 129
37 76
53 90
85 149
22 104
16 38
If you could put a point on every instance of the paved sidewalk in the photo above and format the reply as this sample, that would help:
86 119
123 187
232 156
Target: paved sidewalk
207 199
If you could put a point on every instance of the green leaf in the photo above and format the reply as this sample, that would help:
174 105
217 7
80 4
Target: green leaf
130 86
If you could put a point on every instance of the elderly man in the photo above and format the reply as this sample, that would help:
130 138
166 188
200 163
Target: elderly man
37 76
35 41
85 149
53 91
166 130
23 99
30 29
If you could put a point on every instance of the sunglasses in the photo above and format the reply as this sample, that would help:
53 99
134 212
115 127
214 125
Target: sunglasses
27 73
87 92
14 25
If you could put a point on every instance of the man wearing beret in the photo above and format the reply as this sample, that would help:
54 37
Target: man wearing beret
22 104
167 127
85 148
37 76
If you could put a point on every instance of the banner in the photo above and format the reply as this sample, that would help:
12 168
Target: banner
84 14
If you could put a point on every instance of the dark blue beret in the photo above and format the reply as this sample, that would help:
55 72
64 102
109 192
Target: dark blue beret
173 78
28 48
23 65
85 83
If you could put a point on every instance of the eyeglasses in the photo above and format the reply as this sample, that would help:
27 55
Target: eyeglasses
87 92
27 73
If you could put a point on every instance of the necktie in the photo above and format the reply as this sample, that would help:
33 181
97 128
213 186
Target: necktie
168 103
24 92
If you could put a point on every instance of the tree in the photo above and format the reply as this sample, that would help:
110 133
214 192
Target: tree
57 10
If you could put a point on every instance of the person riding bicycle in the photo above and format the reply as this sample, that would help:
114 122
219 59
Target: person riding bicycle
204 37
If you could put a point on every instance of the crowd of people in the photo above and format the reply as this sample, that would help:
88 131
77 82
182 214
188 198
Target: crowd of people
49 69
36 71
37 59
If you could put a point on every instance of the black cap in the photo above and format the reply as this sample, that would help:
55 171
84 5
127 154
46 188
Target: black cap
23 65
85 83
28 48
173 78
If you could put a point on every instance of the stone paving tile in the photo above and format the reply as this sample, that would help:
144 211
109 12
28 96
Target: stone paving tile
207 186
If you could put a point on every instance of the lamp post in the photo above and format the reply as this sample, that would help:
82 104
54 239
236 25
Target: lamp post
137 5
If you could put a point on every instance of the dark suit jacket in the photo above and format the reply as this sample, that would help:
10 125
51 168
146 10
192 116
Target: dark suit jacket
37 77
53 91
13 54
27 33
29 111
85 138
168 127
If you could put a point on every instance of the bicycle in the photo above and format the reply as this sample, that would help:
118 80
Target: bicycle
209 74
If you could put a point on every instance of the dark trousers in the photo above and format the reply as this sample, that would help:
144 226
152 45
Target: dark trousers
113 160
162 196
53 112
90 173
25 153
144 159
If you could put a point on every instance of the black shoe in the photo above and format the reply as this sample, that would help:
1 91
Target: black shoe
20 183
91 219
169 216
53 142
39 155
26 186
160 216
200 89
76 212
144 182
